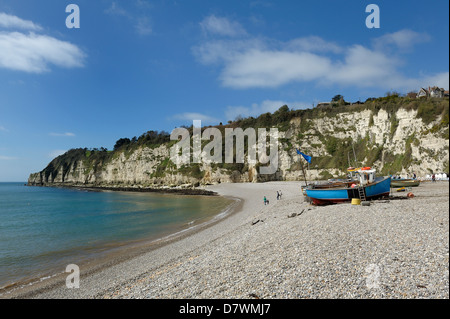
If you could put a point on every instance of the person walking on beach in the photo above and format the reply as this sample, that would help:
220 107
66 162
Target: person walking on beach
265 200
278 195
433 178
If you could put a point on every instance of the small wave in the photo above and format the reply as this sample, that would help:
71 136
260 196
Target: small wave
216 218
9 287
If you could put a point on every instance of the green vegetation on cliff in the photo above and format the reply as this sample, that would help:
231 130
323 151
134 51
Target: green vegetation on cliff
339 151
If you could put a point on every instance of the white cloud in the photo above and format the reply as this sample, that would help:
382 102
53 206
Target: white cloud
143 4
362 67
265 63
222 26
143 26
403 39
34 53
140 22
220 51
62 134
440 79
313 44
191 116
7 158
232 112
273 68
10 21
115 9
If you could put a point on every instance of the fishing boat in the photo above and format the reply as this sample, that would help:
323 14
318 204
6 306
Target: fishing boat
329 184
369 187
352 179
405 182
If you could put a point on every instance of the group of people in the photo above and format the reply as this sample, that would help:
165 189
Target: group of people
279 194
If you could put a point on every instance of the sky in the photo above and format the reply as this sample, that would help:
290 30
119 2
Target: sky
137 65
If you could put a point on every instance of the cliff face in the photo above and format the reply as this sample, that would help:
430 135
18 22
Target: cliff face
394 142
398 143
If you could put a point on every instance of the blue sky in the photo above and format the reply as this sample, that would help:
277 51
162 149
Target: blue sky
137 65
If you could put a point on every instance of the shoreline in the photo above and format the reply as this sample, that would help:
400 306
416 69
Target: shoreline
171 191
30 288
289 249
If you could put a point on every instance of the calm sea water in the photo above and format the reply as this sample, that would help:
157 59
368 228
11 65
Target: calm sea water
44 229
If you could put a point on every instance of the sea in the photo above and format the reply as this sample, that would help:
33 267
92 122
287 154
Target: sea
44 229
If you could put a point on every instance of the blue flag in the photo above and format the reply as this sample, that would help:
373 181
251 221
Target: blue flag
306 157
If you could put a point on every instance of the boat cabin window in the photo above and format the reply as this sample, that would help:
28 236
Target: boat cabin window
367 177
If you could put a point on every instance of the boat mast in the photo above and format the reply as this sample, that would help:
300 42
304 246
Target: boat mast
303 170
354 154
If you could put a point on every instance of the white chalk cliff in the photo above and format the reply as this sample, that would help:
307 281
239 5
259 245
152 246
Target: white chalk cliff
397 142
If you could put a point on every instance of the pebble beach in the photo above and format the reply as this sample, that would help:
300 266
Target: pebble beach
289 249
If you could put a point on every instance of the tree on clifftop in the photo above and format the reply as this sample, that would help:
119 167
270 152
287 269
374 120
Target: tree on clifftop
120 142
337 98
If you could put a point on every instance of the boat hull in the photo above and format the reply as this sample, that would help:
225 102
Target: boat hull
405 183
327 195
331 184
339 195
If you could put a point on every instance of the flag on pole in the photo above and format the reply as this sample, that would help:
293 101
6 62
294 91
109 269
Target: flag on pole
306 157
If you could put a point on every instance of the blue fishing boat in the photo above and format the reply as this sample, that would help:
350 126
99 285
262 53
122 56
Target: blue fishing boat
369 187
351 179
